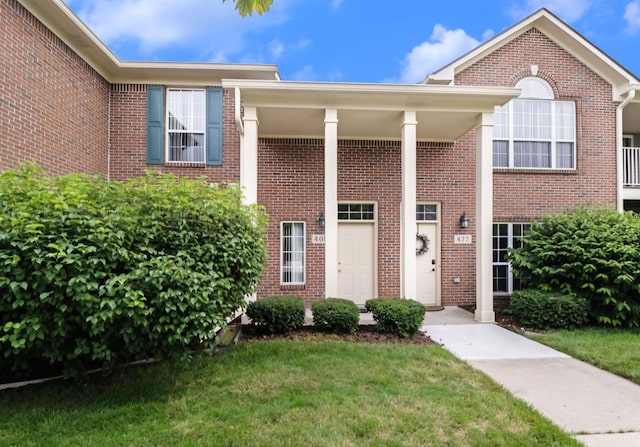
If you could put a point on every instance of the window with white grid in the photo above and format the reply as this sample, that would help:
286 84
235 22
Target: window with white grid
506 236
186 123
534 131
292 253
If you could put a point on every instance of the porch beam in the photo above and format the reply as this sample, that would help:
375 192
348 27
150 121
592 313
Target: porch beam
484 219
331 203
408 207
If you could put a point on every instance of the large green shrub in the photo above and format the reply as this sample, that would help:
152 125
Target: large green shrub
549 310
336 315
396 316
594 254
277 314
95 272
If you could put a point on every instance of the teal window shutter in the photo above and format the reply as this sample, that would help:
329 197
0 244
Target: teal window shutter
155 127
214 126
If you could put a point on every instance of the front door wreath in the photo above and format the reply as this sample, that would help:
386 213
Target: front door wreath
424 244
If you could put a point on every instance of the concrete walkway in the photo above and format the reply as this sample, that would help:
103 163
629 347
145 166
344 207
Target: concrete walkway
598 408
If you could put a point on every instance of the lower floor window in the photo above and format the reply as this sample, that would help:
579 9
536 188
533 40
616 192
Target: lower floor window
292 253
506 236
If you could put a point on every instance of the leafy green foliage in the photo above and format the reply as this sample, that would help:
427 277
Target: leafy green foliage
336 315
396 316
549 310
248 7
594 254
94 273
277 314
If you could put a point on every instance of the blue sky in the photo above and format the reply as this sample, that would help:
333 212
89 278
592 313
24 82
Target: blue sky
343 40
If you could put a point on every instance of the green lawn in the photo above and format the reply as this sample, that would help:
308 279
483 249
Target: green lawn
282 393
616 350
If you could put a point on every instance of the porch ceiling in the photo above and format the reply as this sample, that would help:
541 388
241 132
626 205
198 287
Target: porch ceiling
366 111
631 118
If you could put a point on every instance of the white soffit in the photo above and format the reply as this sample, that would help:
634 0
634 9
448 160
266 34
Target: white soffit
367 111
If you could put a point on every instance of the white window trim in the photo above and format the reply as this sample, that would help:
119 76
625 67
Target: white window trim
352 202
537 89
304 253
436 220
554 139
630 138
508 264
168 131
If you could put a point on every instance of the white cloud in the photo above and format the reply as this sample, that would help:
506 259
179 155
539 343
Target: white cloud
212 27
488 34
569 10
443 47
632 16
335 4
306 73
277 48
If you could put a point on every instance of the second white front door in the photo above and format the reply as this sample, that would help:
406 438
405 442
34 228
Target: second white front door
427 264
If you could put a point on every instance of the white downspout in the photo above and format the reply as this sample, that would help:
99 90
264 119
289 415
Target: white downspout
109 134
619 158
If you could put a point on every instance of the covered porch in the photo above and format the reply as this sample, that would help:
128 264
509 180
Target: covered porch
405 113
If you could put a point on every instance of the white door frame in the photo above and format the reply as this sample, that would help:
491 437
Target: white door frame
373 222
438 254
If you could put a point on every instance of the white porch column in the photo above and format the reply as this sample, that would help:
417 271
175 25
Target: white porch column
249 163
484 219
408 207
249 156
331 203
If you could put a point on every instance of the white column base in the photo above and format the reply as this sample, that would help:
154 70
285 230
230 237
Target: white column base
485 316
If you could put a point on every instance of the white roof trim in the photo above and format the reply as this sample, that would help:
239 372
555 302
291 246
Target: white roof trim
561 33
63 22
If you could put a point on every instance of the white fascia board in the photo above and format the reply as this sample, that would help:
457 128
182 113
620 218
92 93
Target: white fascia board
65 24
563 35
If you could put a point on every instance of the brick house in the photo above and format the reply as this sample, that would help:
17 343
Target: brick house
532 122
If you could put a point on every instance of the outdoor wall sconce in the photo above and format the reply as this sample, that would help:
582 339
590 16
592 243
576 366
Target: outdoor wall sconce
320 220
464 221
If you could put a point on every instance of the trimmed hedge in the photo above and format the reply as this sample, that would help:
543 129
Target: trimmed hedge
95 273
336 315
549 310
278 314
396 316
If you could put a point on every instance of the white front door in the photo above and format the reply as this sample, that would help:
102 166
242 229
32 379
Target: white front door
356 261
427 265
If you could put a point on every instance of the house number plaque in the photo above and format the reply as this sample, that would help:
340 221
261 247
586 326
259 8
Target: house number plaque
317 239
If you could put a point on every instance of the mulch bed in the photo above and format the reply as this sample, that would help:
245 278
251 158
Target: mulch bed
364 334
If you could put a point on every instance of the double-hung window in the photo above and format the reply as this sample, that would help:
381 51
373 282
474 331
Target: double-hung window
506 236
186 124
535 131
292 253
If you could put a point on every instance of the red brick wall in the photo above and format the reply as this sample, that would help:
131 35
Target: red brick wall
291 187
53 105
524 195
446 174
129 139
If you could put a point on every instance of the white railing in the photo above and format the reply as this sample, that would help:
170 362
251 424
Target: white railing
631 166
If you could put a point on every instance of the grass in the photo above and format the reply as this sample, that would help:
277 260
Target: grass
282 393
613 349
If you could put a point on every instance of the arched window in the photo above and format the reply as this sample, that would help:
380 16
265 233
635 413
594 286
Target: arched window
535 130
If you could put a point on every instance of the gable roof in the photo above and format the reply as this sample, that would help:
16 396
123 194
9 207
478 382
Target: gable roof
63 22
563 35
